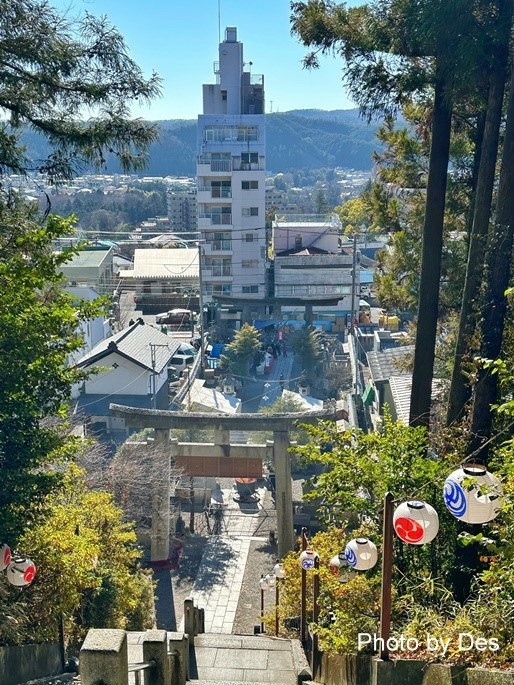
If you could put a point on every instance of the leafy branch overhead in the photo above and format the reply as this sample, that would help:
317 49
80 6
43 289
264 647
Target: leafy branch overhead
71 80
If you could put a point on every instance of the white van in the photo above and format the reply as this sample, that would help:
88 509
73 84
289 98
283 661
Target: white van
183 357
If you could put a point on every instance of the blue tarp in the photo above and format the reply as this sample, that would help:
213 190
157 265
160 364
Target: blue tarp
217 349
259 324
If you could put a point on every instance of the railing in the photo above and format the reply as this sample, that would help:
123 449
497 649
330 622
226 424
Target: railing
219 245
137 669
224 165
217 219
216 192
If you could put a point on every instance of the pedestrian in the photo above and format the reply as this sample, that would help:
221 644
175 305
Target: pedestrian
281 381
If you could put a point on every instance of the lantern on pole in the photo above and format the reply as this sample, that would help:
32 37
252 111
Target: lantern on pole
472 494
5 556
361 554
21 572
308 559
278 571
416 523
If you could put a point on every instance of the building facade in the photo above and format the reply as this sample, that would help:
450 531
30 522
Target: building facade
309 264
182 210
231 173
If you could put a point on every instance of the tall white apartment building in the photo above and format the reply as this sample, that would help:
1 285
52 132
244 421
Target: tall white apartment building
231 170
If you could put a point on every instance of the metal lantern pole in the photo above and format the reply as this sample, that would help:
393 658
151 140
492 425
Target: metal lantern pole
387 572
303 611
280 574
315 615
277 599
263 585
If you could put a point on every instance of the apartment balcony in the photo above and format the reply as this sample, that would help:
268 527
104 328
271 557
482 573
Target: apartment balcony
209 194
218 248
206 166
238 165
217 274
206 220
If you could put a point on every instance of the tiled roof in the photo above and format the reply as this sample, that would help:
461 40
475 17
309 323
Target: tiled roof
134 343
166 263
389 362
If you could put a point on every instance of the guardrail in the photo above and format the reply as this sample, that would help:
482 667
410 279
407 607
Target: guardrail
104 654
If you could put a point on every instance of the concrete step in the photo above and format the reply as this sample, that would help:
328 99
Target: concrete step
242 659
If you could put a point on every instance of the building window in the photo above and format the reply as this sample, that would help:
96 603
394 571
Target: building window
247 289
249 263
249 237
250 211
249 157
250 185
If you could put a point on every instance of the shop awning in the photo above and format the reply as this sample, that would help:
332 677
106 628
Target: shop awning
368 395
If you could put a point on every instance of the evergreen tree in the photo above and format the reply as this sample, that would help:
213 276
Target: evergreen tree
72 81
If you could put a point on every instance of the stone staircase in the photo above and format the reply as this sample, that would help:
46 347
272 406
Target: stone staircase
234 659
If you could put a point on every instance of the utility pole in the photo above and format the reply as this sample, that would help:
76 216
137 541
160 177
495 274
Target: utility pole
354 282
153 346
200 303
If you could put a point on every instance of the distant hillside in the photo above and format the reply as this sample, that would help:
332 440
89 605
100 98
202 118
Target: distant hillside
298 139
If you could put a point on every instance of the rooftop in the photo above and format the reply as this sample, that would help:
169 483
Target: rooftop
135 343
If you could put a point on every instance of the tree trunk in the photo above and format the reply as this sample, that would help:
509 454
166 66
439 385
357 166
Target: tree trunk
426 330
498 267
459 389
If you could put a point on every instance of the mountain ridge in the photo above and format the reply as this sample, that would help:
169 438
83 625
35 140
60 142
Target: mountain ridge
297 139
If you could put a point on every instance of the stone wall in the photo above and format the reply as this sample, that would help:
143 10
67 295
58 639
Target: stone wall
360 669
29 662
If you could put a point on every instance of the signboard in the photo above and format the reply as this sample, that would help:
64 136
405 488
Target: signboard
220 467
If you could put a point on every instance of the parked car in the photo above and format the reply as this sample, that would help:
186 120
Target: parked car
181 361
182 317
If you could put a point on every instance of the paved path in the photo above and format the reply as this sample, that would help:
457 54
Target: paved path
218 583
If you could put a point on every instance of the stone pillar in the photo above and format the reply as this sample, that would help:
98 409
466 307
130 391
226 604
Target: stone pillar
221 435
155 647
284 492
104 658
160 544
308 317
245 314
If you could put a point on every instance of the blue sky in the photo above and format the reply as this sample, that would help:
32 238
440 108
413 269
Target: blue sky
179 40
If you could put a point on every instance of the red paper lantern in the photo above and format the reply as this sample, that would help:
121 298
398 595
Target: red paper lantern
5 556
21 572
416 523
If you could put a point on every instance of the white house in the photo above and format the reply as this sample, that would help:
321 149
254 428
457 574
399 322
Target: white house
130 367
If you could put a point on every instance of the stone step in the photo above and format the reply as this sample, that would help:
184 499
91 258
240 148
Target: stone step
256 659
230 682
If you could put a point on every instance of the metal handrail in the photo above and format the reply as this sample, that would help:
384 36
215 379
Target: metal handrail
136 668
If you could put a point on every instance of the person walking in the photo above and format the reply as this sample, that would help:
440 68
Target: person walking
282 381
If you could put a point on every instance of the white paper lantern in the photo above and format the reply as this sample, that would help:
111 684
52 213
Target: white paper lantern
361 554
278 571
472 494
21 572
308 559
5 556
416 523
337 563
263 583
271 579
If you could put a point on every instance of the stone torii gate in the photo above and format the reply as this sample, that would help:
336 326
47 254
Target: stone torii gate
219 459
